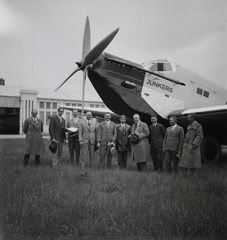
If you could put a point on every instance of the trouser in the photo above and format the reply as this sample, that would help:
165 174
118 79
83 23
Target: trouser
26 159
57 156
88 154
103 157
171 159
74 146
141 166
122 158
157 157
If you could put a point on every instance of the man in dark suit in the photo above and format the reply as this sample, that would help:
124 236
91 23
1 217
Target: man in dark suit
106 136
57 134
157 134
123 142
73 141
173 144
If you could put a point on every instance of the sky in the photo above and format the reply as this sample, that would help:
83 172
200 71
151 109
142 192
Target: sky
41 40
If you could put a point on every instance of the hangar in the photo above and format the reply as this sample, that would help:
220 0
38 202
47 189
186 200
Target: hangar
16 104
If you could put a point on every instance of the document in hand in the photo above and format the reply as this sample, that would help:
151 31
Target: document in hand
72 129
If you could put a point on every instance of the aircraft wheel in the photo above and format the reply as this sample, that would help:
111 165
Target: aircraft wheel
210 150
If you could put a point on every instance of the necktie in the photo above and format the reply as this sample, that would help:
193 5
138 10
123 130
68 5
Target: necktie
135 127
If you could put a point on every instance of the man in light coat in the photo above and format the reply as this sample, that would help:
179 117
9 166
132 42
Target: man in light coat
106 136
140 149
87 139
33 127
191 156
73 140
57 134
173 144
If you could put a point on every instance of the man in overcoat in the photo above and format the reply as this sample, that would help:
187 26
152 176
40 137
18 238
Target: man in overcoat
33 127
191 156
173 144
122 141
87 140
140 149
106 136
157 134
73 140
57 134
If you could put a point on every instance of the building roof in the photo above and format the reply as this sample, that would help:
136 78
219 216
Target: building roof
13 91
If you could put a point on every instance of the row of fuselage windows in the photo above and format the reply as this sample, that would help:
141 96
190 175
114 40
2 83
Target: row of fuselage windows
202 92
53 105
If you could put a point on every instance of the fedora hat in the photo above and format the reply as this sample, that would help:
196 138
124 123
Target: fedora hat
134 138
53 147
111 150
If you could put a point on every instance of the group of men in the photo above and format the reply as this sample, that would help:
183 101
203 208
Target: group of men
168 148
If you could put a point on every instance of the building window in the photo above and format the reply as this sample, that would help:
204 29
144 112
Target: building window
54 105
48 116
41 105
102 106
79 105
41 115
48 104
97 106
74 104
67 104
92 105
206 94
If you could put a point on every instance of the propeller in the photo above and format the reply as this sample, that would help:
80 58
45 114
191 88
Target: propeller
92 54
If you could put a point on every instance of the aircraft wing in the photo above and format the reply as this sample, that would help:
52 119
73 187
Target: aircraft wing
213 120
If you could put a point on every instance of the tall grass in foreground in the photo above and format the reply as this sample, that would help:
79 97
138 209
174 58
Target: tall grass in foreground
59 203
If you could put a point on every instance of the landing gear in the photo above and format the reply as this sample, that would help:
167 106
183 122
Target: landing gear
210 150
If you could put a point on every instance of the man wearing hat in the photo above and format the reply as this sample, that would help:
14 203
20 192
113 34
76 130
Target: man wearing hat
57 134
106 136
33 127
173 144
191 155
139 143
122 141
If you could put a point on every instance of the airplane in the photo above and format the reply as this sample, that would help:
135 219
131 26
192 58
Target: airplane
157 87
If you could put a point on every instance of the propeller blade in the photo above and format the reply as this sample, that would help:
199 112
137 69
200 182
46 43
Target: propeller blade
83 93
78 69
87 39
98 49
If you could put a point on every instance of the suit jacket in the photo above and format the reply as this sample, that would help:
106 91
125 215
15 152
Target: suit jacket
106 134
57 129
87 133
174 140
122 141
140 152
72 136
157 134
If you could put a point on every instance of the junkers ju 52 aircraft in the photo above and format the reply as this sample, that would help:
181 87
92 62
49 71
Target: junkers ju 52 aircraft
156 87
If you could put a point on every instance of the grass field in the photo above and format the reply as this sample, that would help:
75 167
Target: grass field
59 203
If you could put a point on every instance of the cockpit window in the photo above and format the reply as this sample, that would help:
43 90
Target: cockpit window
161 67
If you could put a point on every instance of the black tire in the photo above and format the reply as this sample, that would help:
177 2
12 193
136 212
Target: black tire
210 150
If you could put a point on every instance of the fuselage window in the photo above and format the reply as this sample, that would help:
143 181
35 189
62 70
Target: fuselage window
199 91
206 94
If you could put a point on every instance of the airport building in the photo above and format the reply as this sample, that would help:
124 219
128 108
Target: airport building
16 104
